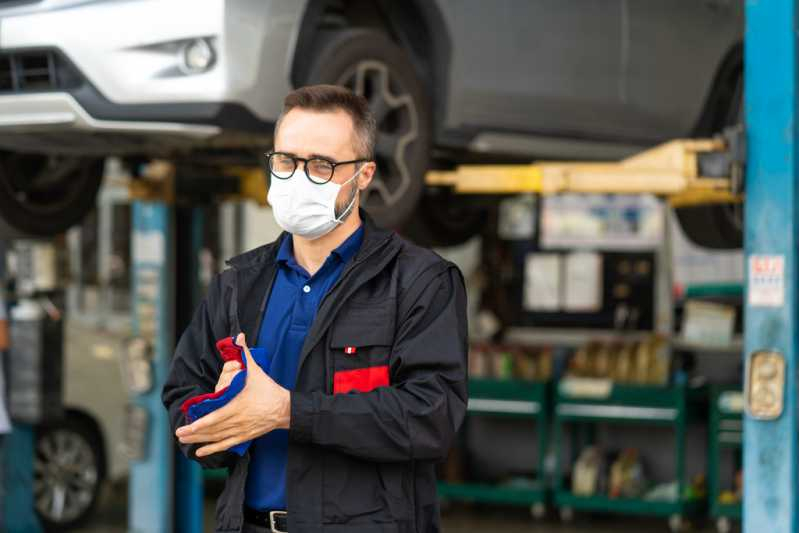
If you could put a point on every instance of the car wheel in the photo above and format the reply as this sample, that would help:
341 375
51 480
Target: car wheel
719 226
42 196
370 64
443 218
67 473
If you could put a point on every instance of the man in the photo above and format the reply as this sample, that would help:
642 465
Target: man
363 383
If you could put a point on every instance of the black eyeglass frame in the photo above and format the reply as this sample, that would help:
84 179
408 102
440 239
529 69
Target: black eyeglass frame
296 160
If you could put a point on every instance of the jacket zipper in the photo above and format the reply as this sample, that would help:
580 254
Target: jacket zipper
261 307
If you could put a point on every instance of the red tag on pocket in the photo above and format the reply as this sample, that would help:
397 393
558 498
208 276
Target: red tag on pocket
350 350
360 379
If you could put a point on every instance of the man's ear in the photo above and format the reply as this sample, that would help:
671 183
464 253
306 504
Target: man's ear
366 175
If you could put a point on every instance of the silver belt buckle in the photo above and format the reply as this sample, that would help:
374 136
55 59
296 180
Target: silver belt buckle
273 521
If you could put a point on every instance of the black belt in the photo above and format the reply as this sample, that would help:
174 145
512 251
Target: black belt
274 521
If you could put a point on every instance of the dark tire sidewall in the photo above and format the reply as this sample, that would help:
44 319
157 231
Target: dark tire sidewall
17 220
339 52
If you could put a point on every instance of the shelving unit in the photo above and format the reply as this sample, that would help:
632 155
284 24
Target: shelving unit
574 338
523 400
675 407
725 433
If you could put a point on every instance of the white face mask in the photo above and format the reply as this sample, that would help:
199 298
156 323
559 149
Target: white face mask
304 208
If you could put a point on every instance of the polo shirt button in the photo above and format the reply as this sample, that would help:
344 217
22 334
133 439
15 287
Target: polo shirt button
306 289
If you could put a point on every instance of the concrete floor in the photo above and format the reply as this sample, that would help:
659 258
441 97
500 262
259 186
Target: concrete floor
111 517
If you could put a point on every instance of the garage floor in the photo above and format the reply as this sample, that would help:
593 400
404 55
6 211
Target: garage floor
112 517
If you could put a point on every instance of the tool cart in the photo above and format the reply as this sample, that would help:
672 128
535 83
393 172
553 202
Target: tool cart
725 434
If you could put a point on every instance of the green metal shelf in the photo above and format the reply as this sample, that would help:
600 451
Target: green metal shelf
506 398
215 473
487 493
509 397
728 510
725 432
641 404
714 290
584 403
628 506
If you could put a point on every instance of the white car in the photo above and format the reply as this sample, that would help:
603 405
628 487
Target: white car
82 451
201 83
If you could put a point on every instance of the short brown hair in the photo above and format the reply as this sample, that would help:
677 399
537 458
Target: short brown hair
332 98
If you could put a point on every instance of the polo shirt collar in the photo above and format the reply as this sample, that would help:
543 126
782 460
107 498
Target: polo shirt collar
344 252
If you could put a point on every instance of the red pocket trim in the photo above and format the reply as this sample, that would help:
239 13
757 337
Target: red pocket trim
229 351
361 379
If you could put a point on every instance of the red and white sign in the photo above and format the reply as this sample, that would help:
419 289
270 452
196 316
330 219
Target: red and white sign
766 280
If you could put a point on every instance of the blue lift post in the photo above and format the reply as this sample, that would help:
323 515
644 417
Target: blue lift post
166 490
150 491
17 513
772 237
190 225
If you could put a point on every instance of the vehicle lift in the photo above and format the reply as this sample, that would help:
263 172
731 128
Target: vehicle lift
695 172
166 490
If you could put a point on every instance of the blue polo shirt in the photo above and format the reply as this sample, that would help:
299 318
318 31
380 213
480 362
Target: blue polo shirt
287 318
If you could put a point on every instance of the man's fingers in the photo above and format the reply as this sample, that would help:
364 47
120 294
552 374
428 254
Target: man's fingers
218 446
211 420
242 341
231 366
210 436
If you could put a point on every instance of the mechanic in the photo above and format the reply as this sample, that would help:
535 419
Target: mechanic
363 386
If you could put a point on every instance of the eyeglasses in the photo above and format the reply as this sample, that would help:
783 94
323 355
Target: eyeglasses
317 169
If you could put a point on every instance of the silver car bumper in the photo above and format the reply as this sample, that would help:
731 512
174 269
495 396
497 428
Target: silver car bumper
130 53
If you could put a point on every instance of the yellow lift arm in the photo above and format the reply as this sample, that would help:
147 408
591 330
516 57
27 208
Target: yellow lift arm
671 170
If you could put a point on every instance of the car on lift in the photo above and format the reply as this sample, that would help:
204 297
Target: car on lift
450 81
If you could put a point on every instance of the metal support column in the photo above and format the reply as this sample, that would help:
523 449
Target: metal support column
166 489
150 496
771 240
190 224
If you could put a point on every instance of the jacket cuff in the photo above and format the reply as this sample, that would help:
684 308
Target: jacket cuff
223 459
302 417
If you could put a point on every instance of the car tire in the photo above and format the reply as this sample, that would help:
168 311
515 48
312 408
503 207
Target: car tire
719 226
42 196
68 473
443 219
368 62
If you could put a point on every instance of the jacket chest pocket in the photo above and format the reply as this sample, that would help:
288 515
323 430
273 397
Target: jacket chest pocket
360 343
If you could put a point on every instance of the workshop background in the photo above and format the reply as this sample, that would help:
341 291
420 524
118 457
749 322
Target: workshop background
582 161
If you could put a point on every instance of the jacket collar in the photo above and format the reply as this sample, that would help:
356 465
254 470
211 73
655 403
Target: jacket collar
373 236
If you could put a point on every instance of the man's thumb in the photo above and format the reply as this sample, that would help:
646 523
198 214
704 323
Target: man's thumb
241 341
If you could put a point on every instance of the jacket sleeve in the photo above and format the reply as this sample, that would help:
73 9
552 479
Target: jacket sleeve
195 369
418 415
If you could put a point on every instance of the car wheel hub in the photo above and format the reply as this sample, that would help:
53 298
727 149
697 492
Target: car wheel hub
397 124
66 476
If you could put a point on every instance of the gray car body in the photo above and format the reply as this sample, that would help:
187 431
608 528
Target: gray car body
537 78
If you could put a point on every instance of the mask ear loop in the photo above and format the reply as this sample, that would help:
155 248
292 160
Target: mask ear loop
339 219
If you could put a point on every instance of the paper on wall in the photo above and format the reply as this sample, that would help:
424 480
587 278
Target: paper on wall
542 282
583 282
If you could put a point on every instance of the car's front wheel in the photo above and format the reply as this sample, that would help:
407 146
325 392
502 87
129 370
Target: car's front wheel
42 196
67 473
370 64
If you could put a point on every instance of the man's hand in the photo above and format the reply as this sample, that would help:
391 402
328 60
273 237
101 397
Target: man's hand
229 370
260 407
